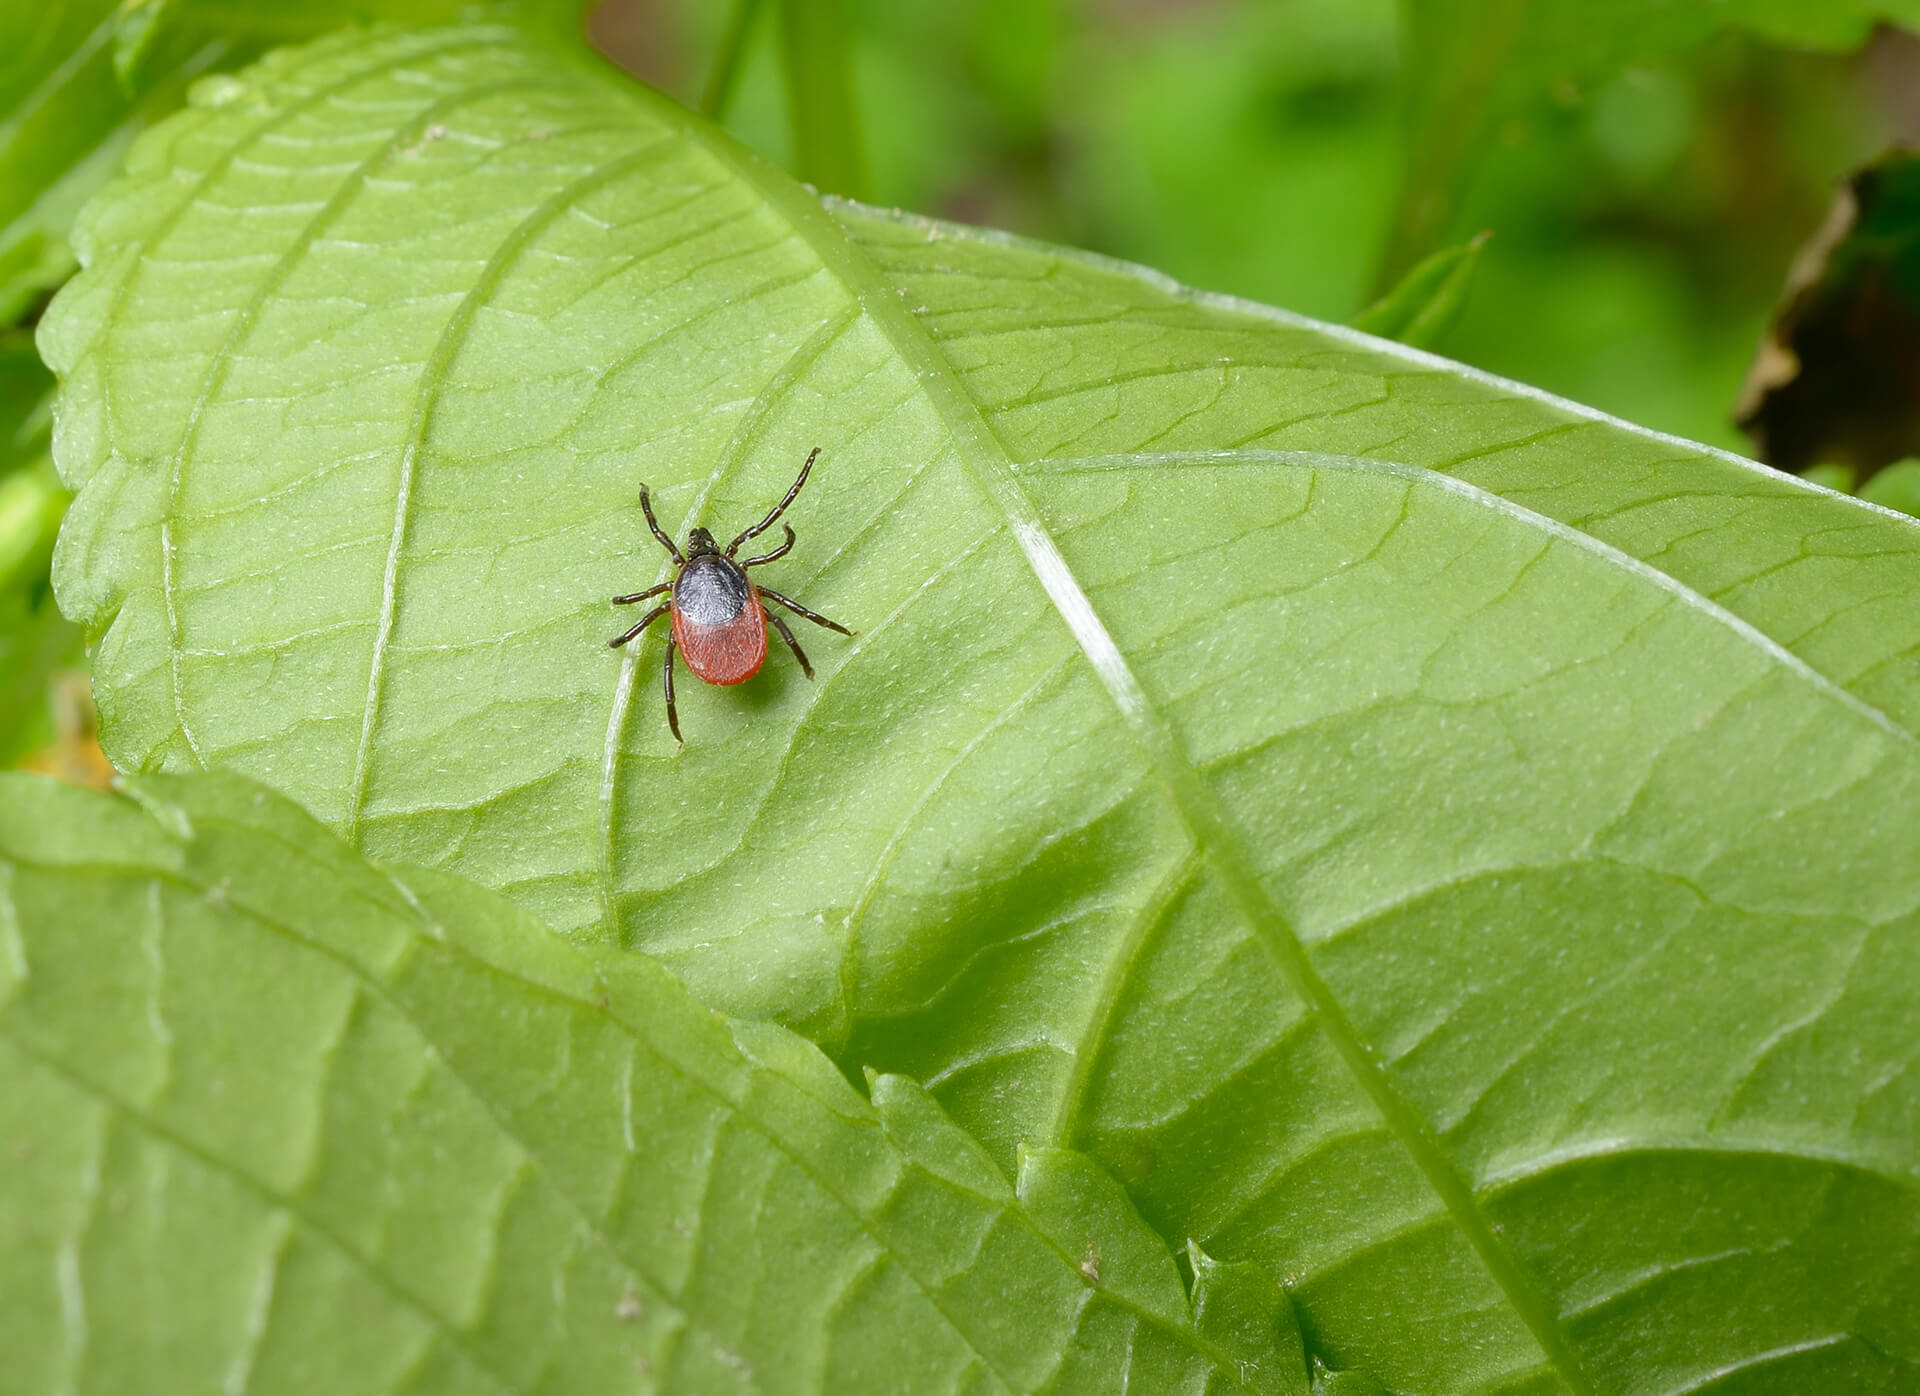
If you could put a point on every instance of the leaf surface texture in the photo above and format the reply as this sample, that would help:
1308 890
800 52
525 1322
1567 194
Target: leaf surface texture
1389 819
460 1154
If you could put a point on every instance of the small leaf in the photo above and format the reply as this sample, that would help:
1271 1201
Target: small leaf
1239 1307
1424 306
138 24
1090 1218
1895 486
456 1153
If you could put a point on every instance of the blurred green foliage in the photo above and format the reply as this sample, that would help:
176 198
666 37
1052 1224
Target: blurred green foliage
1896 486
1648 174
1427 302
35 639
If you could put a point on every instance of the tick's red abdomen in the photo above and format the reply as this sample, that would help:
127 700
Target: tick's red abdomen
724 653
717 620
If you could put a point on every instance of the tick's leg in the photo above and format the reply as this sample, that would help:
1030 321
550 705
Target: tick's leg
778 509
673 714
778 552
641 595
648 619
792 643
802 611
646 507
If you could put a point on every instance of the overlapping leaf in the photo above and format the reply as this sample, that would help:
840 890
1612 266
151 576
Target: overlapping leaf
455 1153
1437 843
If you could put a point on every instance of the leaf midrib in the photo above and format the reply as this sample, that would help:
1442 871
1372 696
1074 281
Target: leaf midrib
1556 530
1206 819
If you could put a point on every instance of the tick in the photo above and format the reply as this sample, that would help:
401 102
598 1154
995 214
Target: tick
720 617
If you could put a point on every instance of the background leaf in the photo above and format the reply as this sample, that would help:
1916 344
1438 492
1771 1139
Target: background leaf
1423 307
1474 63
458 1154
1386 817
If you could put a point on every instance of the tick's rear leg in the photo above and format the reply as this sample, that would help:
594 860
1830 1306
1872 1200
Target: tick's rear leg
648 619
787 635
800 610
673 714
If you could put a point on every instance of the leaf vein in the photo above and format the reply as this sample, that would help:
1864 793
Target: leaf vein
432 379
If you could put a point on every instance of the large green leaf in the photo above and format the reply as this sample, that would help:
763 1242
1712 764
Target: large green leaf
1426 838
280 1119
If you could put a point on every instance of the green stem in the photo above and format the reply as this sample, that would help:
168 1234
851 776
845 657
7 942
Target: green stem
724 80
815 50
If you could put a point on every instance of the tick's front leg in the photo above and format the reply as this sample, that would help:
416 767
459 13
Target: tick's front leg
641 595
648 619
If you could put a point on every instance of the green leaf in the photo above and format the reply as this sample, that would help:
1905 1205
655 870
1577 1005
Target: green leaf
1428 839
1422 308
460 1154
729 58
35 638
1470 65
1087 1214
1240 1307
26 393
1349 1383
1896 486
